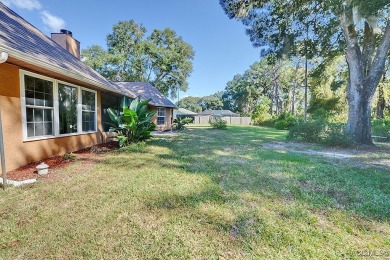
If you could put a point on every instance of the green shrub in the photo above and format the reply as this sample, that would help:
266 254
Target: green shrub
310 131
179 123
217 122
285 121
281 125
134 123
69 156
267 123
335 135
320 131
381 127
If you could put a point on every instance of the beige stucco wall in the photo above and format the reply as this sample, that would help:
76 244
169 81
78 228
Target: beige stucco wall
19 153
168 124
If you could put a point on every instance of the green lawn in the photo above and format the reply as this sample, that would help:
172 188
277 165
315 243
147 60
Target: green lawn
202 194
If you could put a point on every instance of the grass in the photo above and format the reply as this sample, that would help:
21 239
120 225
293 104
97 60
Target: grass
202 194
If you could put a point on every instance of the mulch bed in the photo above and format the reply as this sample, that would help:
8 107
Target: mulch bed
57 162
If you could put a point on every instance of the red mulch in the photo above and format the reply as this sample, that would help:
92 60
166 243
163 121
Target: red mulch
57 162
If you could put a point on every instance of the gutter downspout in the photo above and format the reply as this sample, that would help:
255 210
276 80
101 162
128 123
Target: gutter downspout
3 58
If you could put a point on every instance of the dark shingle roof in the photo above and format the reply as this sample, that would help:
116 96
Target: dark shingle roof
146 91
19 36
218 112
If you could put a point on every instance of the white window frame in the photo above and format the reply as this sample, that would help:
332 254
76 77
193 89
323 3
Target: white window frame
165 115
81 109
56 116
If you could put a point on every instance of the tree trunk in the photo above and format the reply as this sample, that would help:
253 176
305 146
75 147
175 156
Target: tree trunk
294 89
305 106
276 99
359 116
359 96
365 72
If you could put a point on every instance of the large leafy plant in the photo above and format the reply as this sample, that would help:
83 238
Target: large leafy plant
180 123
133 124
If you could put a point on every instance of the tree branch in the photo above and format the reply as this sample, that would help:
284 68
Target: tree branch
379 61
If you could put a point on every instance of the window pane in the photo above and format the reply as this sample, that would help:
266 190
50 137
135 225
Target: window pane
30 129
48 100
29 97
88 100
39 129
39 85
30 115
29 83
92 125
38 115
88 121
48 87
67 99
161 112
39 99
48 128
160 120
39 92
48 115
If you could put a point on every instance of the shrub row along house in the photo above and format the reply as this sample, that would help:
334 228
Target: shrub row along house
51 102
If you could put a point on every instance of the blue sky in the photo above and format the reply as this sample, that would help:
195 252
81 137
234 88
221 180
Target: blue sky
221 45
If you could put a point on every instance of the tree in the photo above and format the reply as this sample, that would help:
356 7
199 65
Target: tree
271 78
212 102
360 28
191 103
163 58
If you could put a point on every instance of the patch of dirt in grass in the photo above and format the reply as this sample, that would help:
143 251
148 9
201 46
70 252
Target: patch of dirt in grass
361 156
58 162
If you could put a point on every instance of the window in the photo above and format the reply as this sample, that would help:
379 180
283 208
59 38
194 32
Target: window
109 101
39 106
52 108
160 116
67 109
88 111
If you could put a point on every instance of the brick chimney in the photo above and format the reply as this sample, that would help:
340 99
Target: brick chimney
66 40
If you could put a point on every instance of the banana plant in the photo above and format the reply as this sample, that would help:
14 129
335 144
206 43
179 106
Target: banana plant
133 124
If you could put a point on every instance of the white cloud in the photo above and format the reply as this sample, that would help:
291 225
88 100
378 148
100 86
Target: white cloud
24 4
54 23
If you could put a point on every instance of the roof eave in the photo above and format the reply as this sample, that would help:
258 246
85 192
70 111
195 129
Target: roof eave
162 105
52 67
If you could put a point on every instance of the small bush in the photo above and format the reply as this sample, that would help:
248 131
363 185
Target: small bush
335 135
267 123
320 131
69 156
217 123
179 123
381 127
285 121
310 131
281 125
96 149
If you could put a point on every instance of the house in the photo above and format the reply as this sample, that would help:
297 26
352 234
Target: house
163 106
51 102
218 113
183 113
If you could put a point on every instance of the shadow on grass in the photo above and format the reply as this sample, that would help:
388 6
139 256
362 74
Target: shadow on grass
235 161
